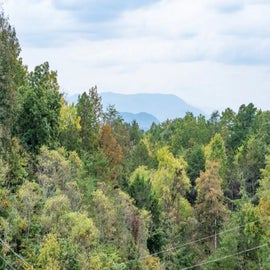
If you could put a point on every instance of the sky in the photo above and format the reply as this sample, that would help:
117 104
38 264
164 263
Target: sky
213 54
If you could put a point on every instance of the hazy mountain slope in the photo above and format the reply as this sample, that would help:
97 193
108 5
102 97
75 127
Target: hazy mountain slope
144 120
162 106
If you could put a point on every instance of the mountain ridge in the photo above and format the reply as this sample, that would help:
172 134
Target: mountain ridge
162 106
144 120
145 108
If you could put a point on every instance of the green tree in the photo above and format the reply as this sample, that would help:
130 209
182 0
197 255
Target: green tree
105 216
196 163
111 115
249 159
263 209
17 160
133 224
135 133
70 255
242 126
245 234
4 206
214 122
96 168
215 151
70 127
53 171
140 156
12 74
261 128
54 208
171 183
29 198
89 110
79 228
264 188
38 123
140 189
188 132
227 120
49 254
250 229
105 257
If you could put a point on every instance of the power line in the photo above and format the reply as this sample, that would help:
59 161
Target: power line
7 262
191 242
16 254
225 257
197 240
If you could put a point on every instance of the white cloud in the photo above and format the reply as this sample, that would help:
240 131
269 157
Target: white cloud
211 53
37 22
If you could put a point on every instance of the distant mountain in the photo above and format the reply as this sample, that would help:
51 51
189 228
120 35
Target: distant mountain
144 120
162 106
145 108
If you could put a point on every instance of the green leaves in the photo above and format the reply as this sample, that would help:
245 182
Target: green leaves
89 110
69 127
80 228
11 76
38 123
65 171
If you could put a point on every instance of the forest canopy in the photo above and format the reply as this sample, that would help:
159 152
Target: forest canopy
82 189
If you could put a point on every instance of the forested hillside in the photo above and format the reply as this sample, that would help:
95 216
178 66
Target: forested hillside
81 189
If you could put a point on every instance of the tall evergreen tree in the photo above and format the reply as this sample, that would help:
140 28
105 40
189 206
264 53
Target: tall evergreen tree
89 109
38 122
11 76
242 126
196 163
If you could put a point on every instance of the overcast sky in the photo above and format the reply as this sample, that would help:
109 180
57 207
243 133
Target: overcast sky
213 54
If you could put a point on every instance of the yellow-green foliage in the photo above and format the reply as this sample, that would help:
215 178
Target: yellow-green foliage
215 151
74 194
170 182
80 228
170 174
151 263
49 253
105 215
69 118
54 208
141 172
29 195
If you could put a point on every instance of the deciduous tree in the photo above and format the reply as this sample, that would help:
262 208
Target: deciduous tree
70 127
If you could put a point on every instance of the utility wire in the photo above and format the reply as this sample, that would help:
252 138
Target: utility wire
189 243
7 262
17 255
225 257
197 240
